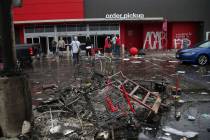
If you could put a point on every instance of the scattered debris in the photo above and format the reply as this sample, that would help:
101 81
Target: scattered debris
126 59
26 128
178 116
184 138
67 132
188 134
50 86
103 106
173 61
136 62
204 93
165 138
191 118
39 92
206 116
103 135
56 129
181 101
181 72
167 134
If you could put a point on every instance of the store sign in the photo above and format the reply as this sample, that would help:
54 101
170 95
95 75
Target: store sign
124 16
17 3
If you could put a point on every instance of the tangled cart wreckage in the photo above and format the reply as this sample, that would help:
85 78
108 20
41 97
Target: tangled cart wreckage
108 106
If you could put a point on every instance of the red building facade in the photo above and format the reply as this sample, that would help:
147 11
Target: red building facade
54 18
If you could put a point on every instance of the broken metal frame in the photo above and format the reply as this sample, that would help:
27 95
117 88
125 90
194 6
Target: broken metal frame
130 96
105 65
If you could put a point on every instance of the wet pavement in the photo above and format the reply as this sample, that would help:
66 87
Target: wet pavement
193 79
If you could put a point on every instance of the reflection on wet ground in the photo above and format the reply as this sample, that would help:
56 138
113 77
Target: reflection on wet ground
195 81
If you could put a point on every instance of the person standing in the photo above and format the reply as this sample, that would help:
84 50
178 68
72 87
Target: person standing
88 46
118 46
61 46
75 45
113 41
107 47
54 45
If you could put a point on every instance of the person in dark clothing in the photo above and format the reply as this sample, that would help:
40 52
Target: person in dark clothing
118 46
54 45
88 46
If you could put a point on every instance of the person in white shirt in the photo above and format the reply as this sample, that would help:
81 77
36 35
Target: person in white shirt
75 46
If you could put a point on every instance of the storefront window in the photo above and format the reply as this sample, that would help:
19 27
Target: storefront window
29 30
29 40
81 27
71 28
94 27
104 27
35 40
39 29
49 28
61 28
114 27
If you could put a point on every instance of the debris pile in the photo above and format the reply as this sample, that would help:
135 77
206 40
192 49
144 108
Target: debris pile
106 107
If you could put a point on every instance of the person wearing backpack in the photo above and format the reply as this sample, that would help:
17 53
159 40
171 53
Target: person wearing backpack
75 45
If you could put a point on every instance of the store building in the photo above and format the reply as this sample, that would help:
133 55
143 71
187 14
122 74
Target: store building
154 24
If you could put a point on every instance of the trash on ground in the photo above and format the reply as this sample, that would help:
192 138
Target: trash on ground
188 134
204 93
55 129
49 86
191 118
181 101
173 61
206 116
136 62
178 116
181 72
26 128
165 138
126 59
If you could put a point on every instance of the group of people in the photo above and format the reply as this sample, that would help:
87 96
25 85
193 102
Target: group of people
112 46
58 48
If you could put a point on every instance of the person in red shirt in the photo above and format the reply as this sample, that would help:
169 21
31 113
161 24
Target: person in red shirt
107 47
118 45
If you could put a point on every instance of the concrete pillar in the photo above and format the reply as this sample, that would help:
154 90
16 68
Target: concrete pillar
7 36
15 104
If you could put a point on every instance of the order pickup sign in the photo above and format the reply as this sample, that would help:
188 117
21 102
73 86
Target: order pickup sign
17 3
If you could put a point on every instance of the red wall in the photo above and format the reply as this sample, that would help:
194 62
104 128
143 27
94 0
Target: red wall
181 30
151 36
49 10
131 34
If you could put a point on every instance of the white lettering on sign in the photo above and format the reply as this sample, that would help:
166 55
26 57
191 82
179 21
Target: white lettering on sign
124 16
154 40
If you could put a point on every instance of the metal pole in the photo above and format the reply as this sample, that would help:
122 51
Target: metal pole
7 37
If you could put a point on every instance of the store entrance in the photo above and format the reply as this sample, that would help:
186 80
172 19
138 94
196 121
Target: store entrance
43 43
